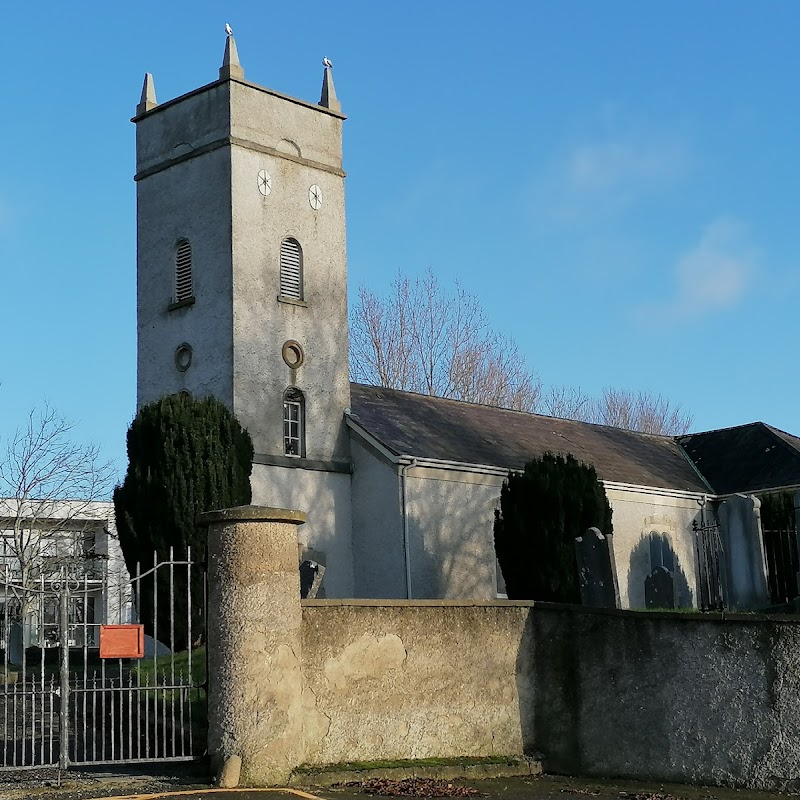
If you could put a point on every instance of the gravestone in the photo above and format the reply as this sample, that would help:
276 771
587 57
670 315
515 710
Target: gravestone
311 574
597 570
16 645
659 589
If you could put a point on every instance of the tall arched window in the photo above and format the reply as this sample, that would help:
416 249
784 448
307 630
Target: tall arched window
183 271
291 269
294 423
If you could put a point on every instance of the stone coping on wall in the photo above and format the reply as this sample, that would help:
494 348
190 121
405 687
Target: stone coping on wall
675 616
251 514
369 603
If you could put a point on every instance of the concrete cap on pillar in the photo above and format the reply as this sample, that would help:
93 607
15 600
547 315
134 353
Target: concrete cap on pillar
148 100
231 68
328 98
251 514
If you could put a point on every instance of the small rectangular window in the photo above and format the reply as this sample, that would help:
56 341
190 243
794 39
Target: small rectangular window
292 428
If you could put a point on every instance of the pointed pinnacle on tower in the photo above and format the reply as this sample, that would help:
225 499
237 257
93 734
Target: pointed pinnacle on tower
148 100
328 98
231 68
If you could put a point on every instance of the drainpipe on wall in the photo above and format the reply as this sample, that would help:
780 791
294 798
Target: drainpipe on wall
406 547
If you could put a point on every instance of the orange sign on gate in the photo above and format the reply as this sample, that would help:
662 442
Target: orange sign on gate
121 641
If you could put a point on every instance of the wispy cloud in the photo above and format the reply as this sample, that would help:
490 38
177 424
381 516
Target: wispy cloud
595 180
712 275
629 165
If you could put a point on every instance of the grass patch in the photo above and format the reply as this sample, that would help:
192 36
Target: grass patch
148 668
359 766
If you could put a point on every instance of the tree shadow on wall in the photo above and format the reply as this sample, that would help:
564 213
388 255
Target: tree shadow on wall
454 560
652 558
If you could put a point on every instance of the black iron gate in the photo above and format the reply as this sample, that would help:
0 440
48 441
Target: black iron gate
780 551
61 704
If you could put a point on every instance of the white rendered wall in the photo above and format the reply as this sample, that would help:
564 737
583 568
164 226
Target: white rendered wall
378 551
450 526
325 499
635 516
450 520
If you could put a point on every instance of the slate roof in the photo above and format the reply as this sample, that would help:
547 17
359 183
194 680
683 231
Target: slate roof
747 458
450 430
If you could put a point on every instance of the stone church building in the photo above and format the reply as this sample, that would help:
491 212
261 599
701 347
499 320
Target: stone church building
242 294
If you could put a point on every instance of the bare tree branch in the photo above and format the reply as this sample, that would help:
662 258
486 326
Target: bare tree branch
641 411
48 485
424 338
619 408
568 402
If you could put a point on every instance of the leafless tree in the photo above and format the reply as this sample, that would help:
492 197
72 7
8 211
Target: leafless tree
423 338
641 411
619 408
48 484
567 402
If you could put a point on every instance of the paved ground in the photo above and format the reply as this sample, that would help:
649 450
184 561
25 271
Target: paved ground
185 785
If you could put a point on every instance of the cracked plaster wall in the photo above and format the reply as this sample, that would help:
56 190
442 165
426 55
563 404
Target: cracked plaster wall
410 680
679 697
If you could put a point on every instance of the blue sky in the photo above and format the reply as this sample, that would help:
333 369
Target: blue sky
616 180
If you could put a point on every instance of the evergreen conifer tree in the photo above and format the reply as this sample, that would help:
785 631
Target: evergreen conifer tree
185 456
542 510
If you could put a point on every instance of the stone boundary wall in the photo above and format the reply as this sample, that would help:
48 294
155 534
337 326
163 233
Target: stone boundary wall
411 680
709 699
668 696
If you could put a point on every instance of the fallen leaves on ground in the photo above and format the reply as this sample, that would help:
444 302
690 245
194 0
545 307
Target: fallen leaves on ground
413 787
647 796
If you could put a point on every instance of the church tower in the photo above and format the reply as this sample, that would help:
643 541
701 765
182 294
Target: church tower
242 282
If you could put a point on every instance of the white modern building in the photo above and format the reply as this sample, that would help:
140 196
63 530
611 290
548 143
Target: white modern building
45 545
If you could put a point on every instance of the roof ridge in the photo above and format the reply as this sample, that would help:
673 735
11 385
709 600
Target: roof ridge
775 433
424 396
720 430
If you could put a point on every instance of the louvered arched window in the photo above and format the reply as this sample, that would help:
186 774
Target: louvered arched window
183 271
291 269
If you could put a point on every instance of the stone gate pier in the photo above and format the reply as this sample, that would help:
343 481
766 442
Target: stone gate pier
254 622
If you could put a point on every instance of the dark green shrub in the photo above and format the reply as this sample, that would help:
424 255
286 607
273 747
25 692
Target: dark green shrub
185 456
542 509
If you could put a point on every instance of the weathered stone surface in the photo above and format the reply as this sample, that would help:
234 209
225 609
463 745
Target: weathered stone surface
672 697
411 680
597 571
255 687
229 774
659 589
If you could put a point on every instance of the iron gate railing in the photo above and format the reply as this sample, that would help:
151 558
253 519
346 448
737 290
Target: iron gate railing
60 704
780 551
709 566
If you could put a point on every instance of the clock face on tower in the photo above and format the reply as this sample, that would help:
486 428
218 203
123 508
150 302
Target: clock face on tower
315 197
264 182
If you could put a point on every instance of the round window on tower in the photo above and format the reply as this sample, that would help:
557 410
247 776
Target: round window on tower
183 357
293 354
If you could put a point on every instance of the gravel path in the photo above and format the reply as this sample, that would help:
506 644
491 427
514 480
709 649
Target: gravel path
78 784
